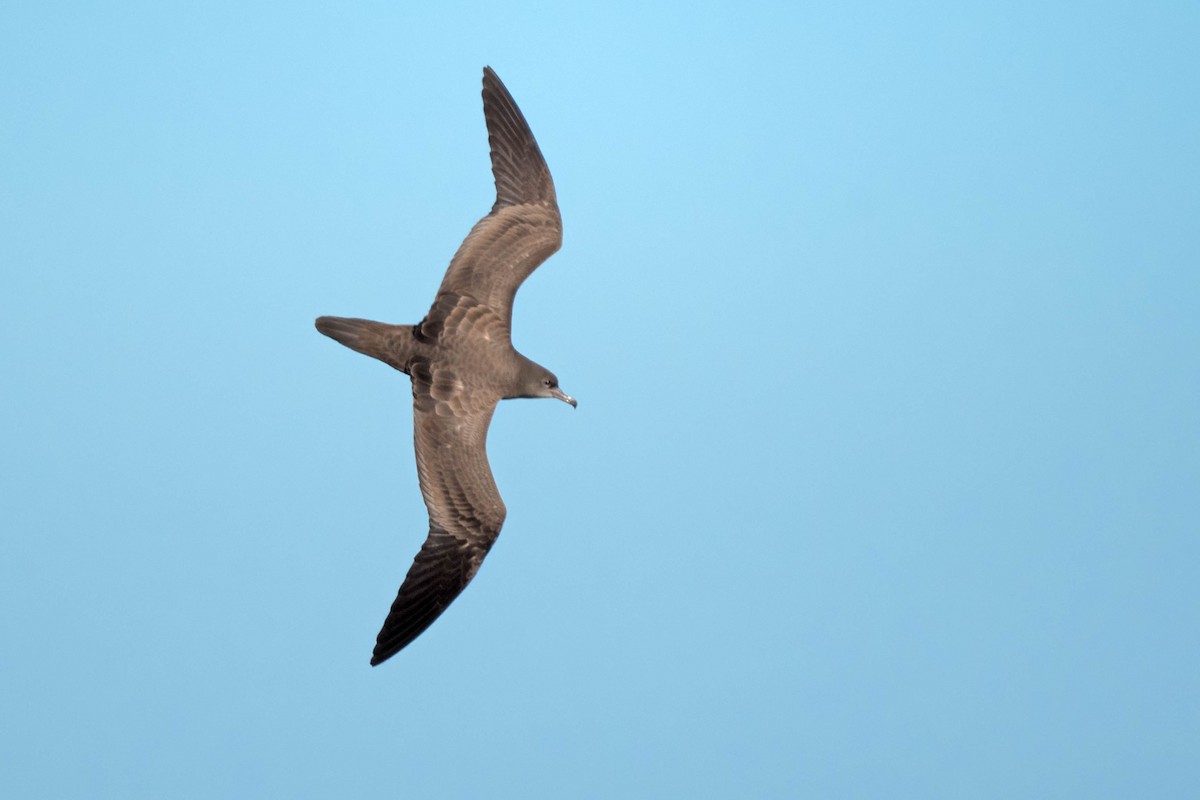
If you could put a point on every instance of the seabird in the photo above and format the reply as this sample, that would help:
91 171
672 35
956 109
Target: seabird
462 363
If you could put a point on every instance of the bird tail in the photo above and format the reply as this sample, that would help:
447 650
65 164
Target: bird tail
388 343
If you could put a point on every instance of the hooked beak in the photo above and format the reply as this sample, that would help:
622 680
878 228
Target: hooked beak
566 398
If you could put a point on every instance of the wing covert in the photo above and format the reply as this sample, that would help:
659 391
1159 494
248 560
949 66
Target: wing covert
524 227
465 509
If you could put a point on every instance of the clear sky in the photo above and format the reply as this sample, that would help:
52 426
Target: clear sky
884 321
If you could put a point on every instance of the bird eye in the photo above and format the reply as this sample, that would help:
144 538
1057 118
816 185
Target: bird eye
549 383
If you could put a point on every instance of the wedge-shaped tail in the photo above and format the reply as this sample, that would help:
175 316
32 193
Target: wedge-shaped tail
391 344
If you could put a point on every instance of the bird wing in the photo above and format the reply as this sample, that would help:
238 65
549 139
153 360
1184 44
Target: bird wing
465 509
524 227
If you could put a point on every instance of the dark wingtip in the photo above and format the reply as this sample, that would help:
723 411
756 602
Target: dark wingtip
518 167
382 653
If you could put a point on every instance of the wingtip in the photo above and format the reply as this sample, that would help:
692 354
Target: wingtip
379 656
518 167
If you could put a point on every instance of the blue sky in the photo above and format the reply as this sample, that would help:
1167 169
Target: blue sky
883 320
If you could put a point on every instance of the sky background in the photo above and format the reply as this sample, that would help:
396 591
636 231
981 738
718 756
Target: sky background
884 321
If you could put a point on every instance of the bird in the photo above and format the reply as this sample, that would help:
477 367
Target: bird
461 361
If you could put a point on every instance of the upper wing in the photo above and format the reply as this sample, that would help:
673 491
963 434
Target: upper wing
524 227
465 509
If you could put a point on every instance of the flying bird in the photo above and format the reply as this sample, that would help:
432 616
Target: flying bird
462 364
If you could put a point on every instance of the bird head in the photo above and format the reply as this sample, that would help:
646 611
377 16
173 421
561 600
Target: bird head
537 381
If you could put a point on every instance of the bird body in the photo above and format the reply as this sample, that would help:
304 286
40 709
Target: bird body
462 363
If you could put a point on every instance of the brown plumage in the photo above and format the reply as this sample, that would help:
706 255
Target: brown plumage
462 363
